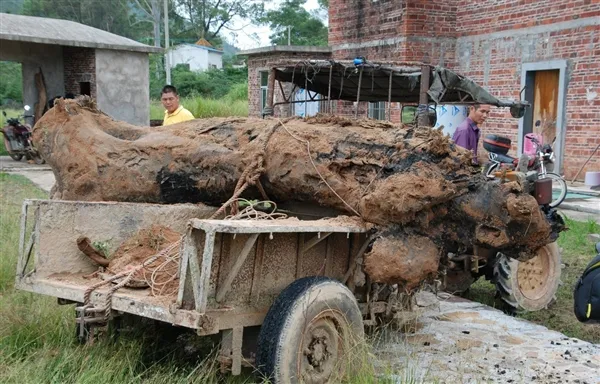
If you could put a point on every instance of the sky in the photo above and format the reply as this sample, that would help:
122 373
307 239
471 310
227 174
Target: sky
250 36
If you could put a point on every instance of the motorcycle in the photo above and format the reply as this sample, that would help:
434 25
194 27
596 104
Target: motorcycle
17 140
542 162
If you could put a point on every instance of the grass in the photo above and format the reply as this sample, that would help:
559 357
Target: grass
235 103
204 108
9 113
577 251
37 336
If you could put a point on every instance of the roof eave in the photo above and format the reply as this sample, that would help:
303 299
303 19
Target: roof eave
71 43
284 49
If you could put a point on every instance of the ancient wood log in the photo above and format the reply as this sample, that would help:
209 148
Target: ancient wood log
415 185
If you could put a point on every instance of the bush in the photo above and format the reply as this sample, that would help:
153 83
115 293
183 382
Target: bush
202 107
11 84
238 92
213 83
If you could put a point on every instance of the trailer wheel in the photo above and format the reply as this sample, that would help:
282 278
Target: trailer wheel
530 285
309 332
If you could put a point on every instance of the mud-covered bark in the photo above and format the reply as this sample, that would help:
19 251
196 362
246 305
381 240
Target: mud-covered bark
415 185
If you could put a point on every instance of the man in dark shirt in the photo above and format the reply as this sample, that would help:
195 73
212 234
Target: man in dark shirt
467 133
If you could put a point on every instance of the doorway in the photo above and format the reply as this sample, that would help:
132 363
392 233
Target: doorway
545 89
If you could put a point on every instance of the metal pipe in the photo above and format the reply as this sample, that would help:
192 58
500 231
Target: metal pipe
329 90
295 102
167 59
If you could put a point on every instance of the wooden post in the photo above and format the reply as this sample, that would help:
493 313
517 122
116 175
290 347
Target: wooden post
423 119
390 98
358 92
268 111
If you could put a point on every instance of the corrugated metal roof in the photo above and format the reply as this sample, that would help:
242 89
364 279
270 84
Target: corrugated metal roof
66 33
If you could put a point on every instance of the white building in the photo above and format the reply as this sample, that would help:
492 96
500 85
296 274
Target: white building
199 57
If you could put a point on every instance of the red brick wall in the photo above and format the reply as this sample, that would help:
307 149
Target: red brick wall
80 66
480 17
488 41
399 30
494 59
264 62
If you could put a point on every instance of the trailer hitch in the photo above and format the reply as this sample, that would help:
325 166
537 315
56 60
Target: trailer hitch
89 320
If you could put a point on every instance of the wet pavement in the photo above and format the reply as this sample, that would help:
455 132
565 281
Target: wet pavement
459 341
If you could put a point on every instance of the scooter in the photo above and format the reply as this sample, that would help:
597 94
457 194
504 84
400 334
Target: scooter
542 162
17 140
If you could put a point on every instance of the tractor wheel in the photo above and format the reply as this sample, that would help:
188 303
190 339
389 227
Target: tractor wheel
529 285
309 333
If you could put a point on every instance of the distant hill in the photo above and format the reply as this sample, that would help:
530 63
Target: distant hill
229 49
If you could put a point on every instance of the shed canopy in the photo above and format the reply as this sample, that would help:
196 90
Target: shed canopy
66 33
383 82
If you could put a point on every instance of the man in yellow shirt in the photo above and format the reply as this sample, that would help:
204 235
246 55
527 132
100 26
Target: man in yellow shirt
174 113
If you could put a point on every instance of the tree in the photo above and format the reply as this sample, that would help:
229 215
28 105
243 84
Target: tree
207 18
11 82
306 29
108 15
151 11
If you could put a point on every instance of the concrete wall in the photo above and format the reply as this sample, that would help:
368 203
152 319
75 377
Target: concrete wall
122 85
34 56
199 59
215 58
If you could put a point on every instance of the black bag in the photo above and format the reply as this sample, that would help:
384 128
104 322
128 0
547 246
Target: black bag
587 293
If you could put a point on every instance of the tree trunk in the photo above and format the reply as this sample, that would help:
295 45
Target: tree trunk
417 187
42 95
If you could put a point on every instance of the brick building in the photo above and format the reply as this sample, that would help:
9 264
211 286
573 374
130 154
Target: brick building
80 60
550 49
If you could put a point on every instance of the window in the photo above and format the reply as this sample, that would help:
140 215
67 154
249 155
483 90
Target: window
377 110
85 88
264 81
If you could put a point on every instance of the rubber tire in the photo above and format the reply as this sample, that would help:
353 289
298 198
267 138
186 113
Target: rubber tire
38 159
563 185
296 306
12 155
506 280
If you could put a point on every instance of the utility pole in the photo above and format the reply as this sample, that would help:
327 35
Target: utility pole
167 61
289 35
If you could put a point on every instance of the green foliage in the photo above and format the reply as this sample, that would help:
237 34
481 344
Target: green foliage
306 28
213 83
233 104
11 6
11 83
9 114
207 18
109 15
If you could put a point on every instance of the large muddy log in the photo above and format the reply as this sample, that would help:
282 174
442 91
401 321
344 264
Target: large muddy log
415 185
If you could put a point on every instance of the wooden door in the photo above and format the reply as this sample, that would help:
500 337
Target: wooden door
545 104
